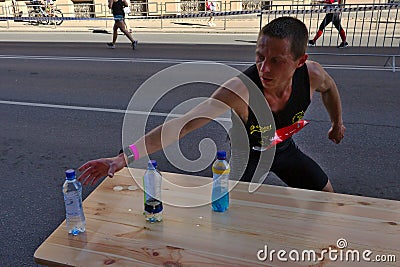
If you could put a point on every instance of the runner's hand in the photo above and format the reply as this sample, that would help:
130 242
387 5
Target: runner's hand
336 133
96 169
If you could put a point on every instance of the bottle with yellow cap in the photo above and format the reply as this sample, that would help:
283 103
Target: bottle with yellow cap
220 189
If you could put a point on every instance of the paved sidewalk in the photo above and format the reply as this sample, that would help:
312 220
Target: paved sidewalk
238 25
232 24
240 30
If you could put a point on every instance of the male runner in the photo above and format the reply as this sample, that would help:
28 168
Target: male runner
286 79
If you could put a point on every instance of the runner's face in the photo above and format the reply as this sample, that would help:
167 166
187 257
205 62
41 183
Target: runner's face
275 63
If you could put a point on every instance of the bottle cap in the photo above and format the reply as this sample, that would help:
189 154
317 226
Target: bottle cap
221 154
70 174
152 164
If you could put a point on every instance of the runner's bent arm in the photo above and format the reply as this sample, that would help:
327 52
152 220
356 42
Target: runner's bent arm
322 82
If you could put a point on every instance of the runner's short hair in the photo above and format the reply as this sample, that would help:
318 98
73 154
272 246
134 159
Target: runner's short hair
291 28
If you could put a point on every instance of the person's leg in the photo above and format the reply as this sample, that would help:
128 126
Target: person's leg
210 21
327 19
122 26
115 32
342 34
127 26
338 26
298 170
115 35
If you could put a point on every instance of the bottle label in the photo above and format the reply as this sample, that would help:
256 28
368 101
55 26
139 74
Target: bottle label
220 172
152 185
221 181
153 206
72 203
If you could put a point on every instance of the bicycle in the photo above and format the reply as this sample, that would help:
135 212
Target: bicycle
44 13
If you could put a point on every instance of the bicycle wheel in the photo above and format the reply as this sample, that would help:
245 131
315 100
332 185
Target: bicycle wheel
42 17
58 14
32 14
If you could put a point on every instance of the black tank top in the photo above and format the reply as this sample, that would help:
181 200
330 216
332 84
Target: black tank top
293 111
118 8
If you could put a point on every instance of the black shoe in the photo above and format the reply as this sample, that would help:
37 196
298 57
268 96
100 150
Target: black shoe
110 45
134 45
311 43
343 45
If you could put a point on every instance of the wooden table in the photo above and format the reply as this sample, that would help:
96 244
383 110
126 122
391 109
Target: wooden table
298 222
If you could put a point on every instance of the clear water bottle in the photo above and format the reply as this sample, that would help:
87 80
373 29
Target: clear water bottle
153 207
220 189
72 190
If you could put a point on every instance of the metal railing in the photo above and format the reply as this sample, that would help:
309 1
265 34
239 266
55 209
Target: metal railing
365 61
365 25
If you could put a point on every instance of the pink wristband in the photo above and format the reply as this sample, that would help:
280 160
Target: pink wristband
134 151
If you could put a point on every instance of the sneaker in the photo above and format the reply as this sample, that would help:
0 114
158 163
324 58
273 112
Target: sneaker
343 45
134 44
110 45
311 43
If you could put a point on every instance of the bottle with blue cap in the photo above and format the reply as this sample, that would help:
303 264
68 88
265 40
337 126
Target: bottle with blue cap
153 207
72 190
220 188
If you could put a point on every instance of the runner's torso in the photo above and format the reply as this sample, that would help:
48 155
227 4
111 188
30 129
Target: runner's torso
118 8
294 109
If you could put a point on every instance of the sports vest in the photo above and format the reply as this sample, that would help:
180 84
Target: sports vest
296 106
118 8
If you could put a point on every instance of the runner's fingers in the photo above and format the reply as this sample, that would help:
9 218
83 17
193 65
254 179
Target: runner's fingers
94 181
83 167
111 170
95 177
87 165
83 177
86 179
91 175
86 174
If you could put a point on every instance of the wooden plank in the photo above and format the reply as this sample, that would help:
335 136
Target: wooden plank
277 217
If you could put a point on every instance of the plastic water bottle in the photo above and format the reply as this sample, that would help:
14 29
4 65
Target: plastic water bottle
220 189
153 207
72 190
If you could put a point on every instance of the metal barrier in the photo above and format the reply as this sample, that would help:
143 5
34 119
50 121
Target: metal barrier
365 25
384 62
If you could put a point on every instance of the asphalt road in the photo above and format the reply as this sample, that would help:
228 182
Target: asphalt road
62 104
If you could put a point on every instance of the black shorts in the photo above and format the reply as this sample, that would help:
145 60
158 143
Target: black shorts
331 17
292 166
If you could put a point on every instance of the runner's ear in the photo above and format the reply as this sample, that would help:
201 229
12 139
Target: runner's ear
302 60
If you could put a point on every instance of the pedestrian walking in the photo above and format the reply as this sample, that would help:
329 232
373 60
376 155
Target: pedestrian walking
117 7
335 19
211 6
